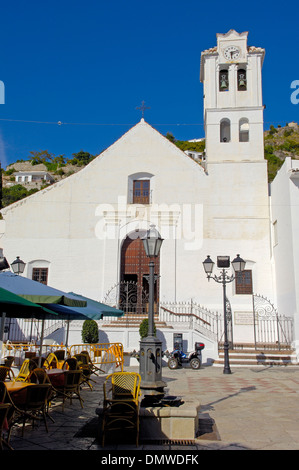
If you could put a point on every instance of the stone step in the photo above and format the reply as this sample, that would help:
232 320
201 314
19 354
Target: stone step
133 321
247 356
261 347
133 325
255 353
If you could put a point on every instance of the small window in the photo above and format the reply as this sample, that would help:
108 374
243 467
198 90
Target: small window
242 80
223 80
141 192
40 275
244 130
244 282
225 130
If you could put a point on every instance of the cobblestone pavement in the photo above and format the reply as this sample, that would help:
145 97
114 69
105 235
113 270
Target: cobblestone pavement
250 409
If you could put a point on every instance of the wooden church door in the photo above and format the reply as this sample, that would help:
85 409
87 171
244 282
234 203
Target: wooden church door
135 270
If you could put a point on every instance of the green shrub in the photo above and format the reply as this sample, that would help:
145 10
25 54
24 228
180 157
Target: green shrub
9 172
288 132
143 328
272 130
274 163
268 149
90 332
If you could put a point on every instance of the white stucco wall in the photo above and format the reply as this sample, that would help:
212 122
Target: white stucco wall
284 215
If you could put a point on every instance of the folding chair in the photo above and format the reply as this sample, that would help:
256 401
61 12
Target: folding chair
121 404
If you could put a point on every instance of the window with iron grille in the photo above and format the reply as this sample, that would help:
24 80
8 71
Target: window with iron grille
244 282
40 275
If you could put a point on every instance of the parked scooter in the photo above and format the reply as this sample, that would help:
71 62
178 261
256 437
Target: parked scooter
178 358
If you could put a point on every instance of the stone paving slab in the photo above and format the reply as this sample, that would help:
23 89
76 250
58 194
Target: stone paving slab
251 409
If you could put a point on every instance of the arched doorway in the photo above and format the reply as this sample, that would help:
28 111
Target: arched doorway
135 269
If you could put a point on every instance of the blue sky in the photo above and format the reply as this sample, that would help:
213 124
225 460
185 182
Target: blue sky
90 64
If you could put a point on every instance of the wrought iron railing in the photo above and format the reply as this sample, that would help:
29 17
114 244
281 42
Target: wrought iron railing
270 326
194 316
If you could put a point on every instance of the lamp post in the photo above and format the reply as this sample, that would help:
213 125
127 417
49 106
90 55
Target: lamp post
223 262
150 361
18 266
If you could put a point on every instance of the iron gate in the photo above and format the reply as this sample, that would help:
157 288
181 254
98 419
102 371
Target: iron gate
269 326
128 296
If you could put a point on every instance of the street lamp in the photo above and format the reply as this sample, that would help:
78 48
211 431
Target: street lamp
223 262
150 361
18 266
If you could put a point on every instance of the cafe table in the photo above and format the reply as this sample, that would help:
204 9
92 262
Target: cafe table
17 391
13 386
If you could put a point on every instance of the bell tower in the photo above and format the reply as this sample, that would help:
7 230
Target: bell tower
233 108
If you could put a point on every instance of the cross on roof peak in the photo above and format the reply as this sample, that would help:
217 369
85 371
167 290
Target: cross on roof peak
142 108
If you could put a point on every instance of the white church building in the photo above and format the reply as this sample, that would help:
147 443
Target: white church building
83 234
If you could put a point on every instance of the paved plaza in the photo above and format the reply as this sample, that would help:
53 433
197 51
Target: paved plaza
250 409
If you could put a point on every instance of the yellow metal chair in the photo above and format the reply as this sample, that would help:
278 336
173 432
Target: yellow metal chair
51 361
121 403
23 372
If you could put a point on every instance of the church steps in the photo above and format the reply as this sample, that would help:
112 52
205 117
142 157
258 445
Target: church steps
262 356
133 321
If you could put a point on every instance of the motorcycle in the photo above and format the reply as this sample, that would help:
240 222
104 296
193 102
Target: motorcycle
178 357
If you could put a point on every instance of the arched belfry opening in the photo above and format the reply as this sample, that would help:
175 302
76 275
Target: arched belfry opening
134 271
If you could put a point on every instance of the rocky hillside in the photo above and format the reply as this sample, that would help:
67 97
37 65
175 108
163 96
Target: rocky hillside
281 142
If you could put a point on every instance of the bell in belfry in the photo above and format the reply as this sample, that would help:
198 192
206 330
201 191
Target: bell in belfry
242 80
223 83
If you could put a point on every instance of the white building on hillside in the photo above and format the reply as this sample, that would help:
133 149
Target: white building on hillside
33 177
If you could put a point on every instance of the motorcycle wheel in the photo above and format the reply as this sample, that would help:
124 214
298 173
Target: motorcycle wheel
173 363
195 363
